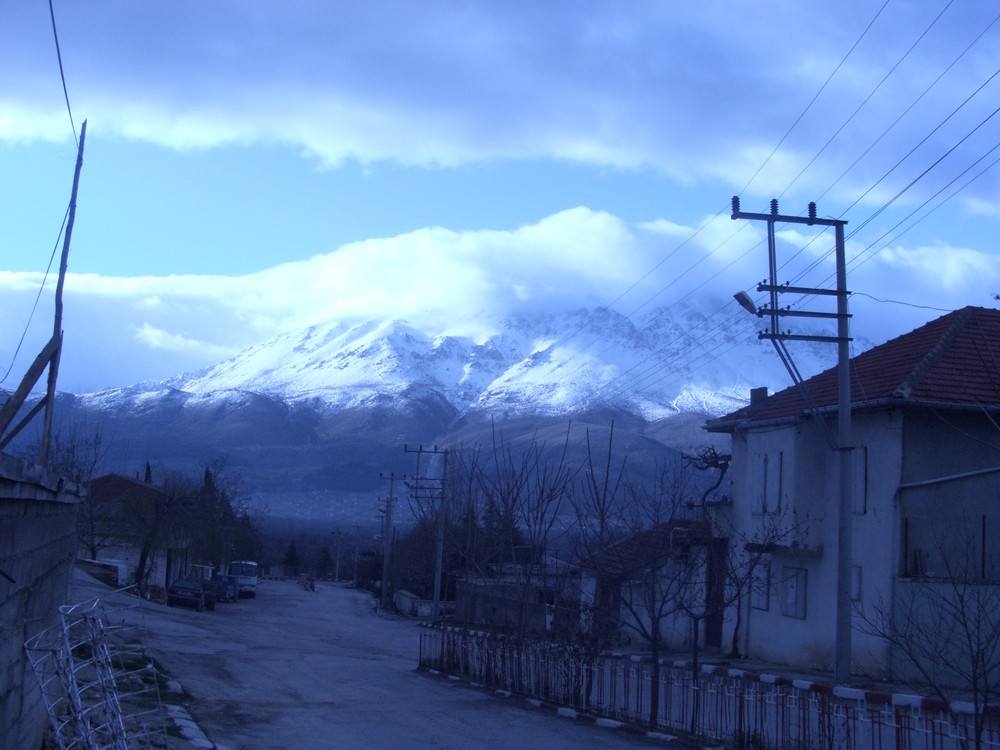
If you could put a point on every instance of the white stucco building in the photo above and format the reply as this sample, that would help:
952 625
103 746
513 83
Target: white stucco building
926 491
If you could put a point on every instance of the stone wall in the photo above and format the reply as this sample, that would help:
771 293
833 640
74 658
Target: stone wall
37 550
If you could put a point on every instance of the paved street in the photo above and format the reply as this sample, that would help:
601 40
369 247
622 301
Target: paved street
304 670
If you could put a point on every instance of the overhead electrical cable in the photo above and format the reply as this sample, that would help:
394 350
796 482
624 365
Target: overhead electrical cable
909 108
674 303
865 101
935 195
922 141
62 228
860 259
749 182
634 378
753 177
815 97
62 73
858 228
38 296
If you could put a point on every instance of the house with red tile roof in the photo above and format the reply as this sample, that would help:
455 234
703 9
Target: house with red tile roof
639 589
925 411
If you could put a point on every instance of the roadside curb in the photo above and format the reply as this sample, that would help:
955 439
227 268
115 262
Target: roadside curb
568 713
190 730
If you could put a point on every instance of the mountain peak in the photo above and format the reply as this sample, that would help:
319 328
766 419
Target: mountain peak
550 364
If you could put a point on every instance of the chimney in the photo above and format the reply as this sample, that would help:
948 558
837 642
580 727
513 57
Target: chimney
758 396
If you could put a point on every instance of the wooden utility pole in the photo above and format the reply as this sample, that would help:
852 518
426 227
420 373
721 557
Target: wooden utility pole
336 566
50 393
387 539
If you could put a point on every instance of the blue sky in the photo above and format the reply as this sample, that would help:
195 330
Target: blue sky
252 167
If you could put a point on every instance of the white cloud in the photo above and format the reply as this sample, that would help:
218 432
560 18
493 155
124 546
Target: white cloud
697 92
158 339
444 280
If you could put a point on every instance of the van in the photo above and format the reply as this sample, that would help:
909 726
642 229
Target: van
246 576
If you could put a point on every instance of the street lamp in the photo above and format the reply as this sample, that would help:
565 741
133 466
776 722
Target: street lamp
746 303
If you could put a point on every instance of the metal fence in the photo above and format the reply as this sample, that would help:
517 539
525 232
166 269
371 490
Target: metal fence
738 709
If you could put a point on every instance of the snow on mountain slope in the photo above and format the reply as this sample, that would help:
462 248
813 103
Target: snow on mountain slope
668 362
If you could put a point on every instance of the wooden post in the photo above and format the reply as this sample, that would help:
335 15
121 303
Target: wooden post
43 453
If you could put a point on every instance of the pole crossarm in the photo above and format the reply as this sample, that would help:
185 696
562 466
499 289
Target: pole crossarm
787 313
811 219
786 289
799 337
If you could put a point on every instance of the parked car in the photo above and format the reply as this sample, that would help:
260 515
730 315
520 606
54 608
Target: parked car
191 592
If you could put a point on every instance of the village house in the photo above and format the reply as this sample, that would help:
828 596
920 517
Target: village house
926 492
643 589
127 526
522 598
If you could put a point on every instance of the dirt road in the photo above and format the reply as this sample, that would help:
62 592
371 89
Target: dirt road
303 670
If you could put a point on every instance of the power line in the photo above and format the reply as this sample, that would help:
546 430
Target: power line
815 97
910 107
62 73
632 378
692 236
38 296
900 302
867 99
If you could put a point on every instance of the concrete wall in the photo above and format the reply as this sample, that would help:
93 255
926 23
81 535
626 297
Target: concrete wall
794 621
949 506
37 549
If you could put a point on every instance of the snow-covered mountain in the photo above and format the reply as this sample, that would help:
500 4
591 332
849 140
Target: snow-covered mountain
667 363
314 417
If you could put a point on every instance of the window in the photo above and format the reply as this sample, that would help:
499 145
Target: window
765 482
860 489
793 592
760 586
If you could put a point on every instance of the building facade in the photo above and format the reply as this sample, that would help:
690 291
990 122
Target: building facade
925 494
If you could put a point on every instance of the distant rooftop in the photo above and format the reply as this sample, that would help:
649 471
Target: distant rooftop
953 361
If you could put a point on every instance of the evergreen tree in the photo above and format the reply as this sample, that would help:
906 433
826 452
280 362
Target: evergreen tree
291 561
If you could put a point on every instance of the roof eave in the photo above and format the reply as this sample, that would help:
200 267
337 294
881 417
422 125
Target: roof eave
746 422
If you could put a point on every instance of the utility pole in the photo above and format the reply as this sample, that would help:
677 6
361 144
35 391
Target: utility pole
336 565
843 442
434 490
357 533
387 538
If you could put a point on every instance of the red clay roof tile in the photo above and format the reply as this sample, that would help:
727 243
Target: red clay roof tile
954 360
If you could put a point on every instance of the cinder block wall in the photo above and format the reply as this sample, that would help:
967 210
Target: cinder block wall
37 550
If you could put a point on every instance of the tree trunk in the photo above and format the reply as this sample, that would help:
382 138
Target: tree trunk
654 687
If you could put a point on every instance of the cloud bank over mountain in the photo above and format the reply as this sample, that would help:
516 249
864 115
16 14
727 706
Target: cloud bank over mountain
128 329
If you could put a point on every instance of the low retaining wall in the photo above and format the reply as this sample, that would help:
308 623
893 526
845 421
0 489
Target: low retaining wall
37 547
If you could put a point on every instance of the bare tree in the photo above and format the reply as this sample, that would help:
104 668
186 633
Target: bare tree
522 492
944 627
78 452
598 510
685 567
639 580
